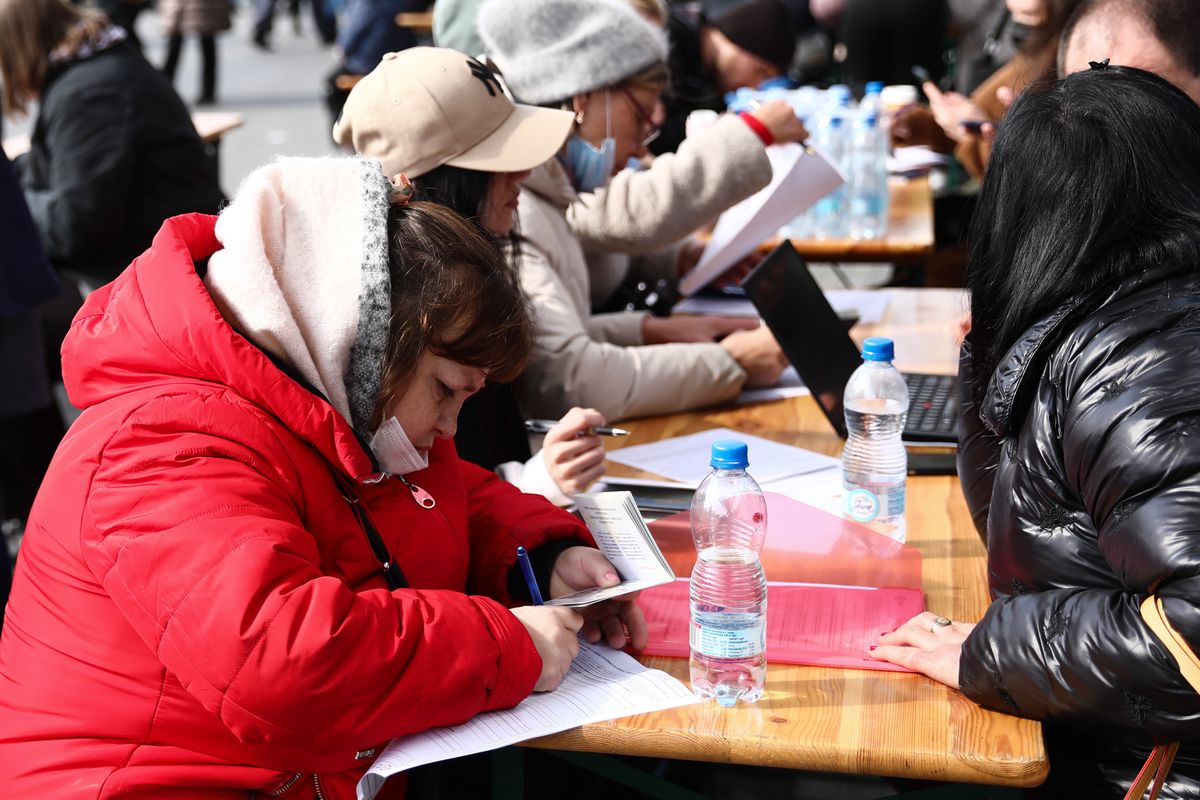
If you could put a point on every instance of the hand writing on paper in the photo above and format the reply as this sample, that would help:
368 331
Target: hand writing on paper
924 646
573 458
553 630
662 330
616 621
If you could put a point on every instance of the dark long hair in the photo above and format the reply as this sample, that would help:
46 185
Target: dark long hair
465 192
1092 179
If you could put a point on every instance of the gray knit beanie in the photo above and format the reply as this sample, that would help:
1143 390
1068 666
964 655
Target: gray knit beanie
551 50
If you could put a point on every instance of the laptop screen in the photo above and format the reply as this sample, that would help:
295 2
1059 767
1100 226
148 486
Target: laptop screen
806 327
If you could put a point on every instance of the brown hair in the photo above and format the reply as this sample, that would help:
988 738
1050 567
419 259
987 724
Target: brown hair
29 31
657 77
651 10
454 294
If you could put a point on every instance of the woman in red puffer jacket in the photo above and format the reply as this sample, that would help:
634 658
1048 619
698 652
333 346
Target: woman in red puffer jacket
256 557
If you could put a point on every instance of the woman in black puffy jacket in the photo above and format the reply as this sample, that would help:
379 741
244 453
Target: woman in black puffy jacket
1080 445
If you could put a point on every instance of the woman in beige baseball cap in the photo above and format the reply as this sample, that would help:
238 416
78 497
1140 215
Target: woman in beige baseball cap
443 120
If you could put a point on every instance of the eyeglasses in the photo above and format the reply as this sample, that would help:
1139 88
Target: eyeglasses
647 122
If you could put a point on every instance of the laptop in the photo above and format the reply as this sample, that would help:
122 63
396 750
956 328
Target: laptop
819 347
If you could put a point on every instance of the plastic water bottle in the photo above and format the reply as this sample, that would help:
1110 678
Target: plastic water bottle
874 462
868 204
728 633
829 213
872 100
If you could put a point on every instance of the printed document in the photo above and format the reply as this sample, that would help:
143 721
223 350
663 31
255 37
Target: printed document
800 177
622 536
602 684
685 458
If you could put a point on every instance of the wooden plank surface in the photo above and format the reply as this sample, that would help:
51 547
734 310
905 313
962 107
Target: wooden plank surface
841 720
419 21
909 235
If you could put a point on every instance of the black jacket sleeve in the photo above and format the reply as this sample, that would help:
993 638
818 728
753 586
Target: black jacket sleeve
978 448
1130 439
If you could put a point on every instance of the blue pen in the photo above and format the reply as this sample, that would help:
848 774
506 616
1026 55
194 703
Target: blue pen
535 594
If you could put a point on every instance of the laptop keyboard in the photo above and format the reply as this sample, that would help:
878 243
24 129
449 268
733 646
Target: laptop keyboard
933 404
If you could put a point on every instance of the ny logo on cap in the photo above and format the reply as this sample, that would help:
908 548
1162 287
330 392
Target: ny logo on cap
486 75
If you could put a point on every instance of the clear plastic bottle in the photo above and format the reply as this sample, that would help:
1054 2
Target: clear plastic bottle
868 205
874 462
728 633
829 213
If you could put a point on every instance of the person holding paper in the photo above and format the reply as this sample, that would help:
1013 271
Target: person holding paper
1078 452
256 557
600 60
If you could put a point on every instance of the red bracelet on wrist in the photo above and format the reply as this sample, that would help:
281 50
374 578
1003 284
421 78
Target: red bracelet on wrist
756 125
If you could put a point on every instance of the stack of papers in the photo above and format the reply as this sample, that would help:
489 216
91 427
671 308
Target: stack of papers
602 684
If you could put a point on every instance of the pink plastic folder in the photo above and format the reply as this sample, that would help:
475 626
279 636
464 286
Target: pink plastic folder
807 623
833 587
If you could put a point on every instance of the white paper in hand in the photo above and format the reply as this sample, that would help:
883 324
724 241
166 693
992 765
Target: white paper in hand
800 177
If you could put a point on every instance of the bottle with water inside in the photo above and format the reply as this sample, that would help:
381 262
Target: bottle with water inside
728 587
874 462
868 178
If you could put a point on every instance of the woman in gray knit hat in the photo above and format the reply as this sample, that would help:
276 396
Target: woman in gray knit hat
600 60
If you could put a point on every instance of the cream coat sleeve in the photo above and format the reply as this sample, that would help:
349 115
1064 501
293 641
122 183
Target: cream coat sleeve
572 366
643 211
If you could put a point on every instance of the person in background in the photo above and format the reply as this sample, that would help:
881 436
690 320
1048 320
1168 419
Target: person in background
124 14
204 19
264 20
605 64
113 151
30 425
1038 25
1078 452
441 119
368 31
1160 36
744 46
884 39
455 25
256 557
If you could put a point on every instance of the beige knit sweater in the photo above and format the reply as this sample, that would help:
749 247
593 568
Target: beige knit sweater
600 360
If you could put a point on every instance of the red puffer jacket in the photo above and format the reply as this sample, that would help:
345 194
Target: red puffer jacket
196 611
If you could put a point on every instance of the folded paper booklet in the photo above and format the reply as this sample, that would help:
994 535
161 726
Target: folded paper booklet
623 538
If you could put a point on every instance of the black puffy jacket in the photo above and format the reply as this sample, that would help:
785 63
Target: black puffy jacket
113 153
1081 468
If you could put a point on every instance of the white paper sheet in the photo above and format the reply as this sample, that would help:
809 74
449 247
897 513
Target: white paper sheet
602 684
910 159
685 458
800 177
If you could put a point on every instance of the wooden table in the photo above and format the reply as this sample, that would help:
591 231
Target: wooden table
909 235
843 720
417 21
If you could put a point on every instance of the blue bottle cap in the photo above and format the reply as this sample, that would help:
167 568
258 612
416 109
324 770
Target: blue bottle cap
878 348
874 87
729 454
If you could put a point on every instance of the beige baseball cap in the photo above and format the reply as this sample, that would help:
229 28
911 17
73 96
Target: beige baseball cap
428 106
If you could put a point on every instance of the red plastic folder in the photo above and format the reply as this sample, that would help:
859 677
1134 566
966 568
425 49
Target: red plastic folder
833 587
807 623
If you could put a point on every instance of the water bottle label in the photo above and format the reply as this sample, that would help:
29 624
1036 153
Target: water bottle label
865 506
728 634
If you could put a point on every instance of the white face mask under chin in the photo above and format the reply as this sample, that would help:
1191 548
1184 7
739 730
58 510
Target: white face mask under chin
395 452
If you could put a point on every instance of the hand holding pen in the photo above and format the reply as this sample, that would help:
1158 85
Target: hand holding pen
573 451
553 629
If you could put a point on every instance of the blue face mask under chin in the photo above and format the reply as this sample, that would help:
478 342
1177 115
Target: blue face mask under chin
592 167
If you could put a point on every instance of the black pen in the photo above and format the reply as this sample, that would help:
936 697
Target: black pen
544 425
